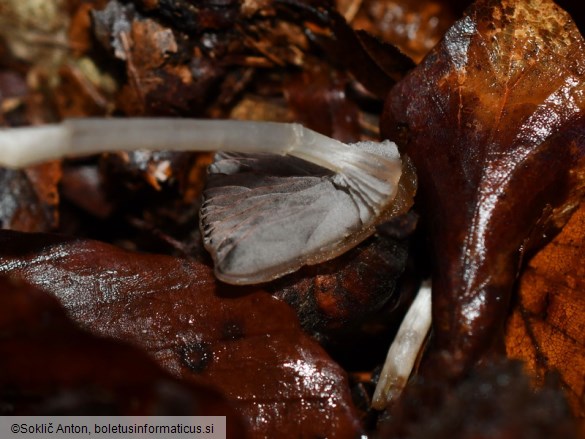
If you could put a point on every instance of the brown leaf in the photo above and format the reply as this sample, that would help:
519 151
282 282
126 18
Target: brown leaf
348 290
243 342
84 187
493 120
50 366
547 327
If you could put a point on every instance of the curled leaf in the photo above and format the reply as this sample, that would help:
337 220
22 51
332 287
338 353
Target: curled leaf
493 119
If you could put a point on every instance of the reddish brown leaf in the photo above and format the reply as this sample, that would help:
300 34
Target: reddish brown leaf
245 343
50 366
346 291
493 120
83 186
547 328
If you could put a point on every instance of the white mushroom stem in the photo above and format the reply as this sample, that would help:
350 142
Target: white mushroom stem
404 350
365 171
25 146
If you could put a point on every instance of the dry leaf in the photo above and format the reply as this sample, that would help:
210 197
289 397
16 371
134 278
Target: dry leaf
547 327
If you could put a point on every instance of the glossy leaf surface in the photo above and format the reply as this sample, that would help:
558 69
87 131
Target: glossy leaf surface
48 365
242 342
493 120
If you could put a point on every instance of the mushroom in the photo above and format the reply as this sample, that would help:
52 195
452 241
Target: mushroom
328 197
257 230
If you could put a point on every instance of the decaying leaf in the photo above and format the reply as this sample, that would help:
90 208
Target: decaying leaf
339 294
496 401
50 366
249 346
163 78
29 199
493 120
547 328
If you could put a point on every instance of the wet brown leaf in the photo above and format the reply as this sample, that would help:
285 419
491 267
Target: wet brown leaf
84 187
50 366
493 120
547 327
243 342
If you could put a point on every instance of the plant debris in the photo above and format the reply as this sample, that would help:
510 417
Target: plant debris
487 104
